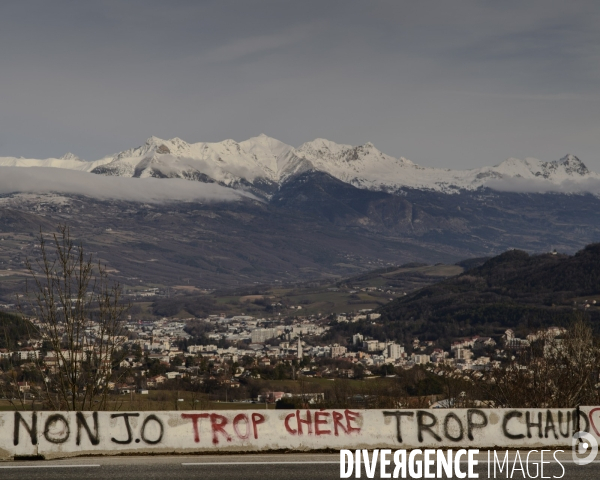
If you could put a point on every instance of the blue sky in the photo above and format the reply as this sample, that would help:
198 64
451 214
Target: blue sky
447 84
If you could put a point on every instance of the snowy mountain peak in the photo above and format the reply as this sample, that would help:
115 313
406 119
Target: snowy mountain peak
154 141
263 141
69 156
320 147
573 165
323 147
264 162
568 158
573 161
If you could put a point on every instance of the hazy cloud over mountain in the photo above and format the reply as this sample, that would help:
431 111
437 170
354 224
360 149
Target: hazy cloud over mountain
148 190
522 185
446 84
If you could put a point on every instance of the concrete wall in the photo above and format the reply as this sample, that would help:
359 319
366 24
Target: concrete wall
60 434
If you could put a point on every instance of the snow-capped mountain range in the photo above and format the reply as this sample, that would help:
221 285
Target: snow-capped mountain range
263 163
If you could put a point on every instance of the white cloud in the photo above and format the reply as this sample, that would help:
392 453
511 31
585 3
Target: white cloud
147 190
522 185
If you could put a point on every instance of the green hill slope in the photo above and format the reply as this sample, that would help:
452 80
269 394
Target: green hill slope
513 290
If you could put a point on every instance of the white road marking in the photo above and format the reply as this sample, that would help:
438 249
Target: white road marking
261 463
481 462
48 466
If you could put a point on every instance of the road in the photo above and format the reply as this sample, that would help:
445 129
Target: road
231 467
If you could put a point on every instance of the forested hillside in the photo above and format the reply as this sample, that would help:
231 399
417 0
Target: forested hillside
513 290
13 329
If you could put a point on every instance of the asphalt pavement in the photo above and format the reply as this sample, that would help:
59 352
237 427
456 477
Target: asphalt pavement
233 467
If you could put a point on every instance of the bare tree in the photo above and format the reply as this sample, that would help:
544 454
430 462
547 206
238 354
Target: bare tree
11 390
551 373
9 378
78 313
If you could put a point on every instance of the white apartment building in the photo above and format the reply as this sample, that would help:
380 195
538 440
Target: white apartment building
395 351
337 351
421 359
261 335
371 345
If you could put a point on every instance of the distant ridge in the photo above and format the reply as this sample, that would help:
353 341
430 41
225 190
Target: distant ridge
262 164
